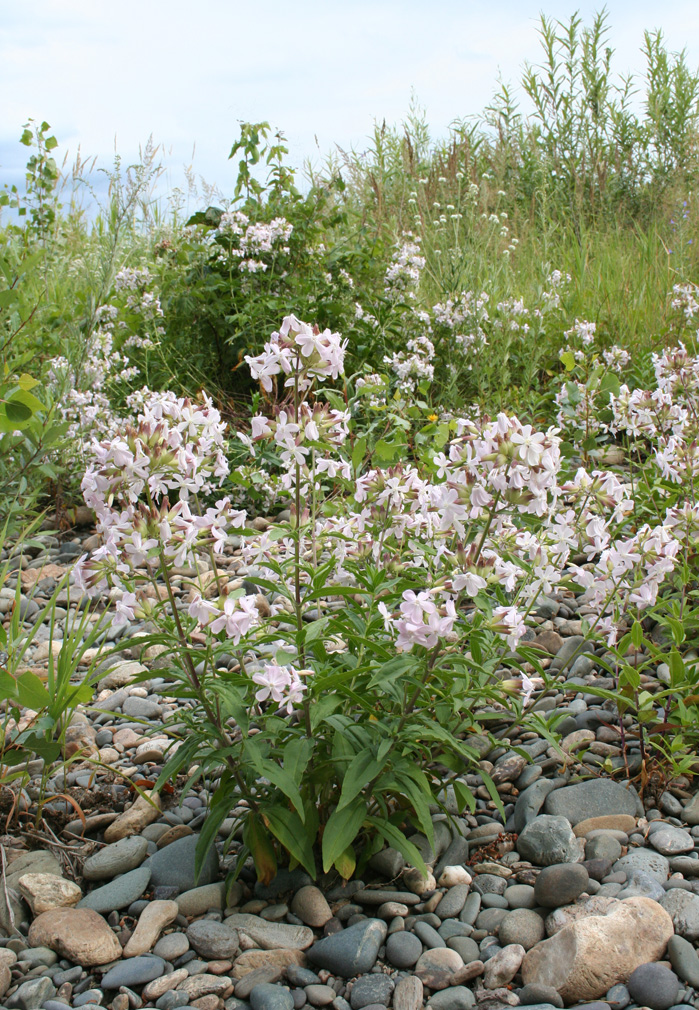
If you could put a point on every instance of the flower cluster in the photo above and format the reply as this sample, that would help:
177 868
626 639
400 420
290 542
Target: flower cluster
299 352
280 684
627 575
421 621
248 241
414 366
407 264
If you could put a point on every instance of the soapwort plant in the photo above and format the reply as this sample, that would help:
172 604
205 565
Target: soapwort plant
330 696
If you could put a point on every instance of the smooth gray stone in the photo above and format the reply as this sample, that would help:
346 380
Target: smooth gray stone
120 857
490 918
535 994
467 948
488 883
530 775
531 800
671 841
216 941
174 865
371 989
380 895
268 996
389 862
549 839
523 926
455 997
684 959
654 985
618 996
520 896
472 907
643 859
685 865
593 798
560 884
641 885
495 901
683 906
31 994
403 949
455 854
452 927
301 976
39 956
118 893
352 951
690 814
141 708
573 647
429 936
172 998
602 847
133 971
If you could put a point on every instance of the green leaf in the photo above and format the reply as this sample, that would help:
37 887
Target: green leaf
494 794
277 776
17 412
27 382
257 840
219 810
358 453
637 635
414 789
363 768
610 384
27 400
346 863
395 837
387 453
315 630
287 826
341 830
676 665
32 692
464 797
568 360
297 754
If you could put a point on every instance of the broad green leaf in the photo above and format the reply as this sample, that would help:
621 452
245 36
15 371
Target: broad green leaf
464 797
315 629
287 826
568 360
637 634
32 692
257 840
297 754
219 810
610 384
395 837
346 863
494 794
279 777
363 768
17 412
341 830
358 453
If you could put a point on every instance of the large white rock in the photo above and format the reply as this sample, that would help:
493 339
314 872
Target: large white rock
586 958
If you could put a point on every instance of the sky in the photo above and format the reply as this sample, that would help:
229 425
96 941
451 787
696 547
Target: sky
109 75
